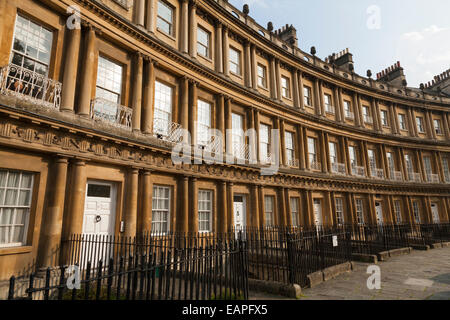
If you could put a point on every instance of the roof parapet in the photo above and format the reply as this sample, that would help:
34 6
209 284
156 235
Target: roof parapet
393 75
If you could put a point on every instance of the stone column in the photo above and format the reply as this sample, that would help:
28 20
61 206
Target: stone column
300 147
193 29
150 21
193 113
224 207
330 206
409 216
361 117
351 217
323 152
183 216
226 52
273 79
446 125
396 122
341 105
310 207
305 146
139 12
283 157
438 165
429 125
377 111
87 74
282 217
247 64
147 195
219 48
321 100
254 67
261 205
75 210
295 92
254 206
193 212
375 116
228 126
365 154
130 212
70 70
148 97
356 110
184 116
412 123
221 118
339 116
49 246
348 164
446 209
137 92
278 78
230 199
184 23
257 119
421 165
300 88
316 92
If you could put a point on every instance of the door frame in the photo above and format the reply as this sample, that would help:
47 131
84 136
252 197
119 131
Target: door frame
244 206
113 197
380 220
320 200
436 206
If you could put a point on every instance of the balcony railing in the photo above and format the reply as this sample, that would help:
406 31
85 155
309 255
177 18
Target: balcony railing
377 173
358 171
330 109
30 86
166 130
414 176
315 165
349 115
293 163
110 112
447 178
396 175
266 158
367 119
434 178
241 151
338 168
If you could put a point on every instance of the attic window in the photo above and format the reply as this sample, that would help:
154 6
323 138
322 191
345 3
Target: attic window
235 14
285 47
306 58
261 33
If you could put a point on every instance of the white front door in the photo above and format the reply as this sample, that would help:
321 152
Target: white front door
435 213
99 208
379 212
317 212
239 213
99 220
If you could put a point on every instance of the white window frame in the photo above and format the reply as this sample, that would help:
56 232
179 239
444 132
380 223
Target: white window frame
419 124
163 108
156 199
294 206
204 112
264 141
238 137
105 69
269 216
237 64
327 101
416 212
307 91
207 45
290 149
360 211
437 126
312 154
262 76
332 146
398 211
285 87
160 18
402 122
207 212
4 190
384 118
339 204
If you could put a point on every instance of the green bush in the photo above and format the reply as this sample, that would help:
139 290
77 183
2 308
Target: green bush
228 294
80 294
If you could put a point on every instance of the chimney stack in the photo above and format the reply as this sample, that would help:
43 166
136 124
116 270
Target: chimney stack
393 75
342 60
289 34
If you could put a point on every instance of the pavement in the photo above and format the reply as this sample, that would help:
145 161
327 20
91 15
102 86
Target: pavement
421 275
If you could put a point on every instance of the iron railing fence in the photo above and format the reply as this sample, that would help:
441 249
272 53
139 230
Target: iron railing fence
211 272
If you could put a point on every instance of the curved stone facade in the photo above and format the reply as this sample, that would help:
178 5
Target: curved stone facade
93 126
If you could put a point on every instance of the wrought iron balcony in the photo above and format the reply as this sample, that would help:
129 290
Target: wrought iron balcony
377 173
414 176
266 158
166 130
433 178
293 163
330 109
30 86
349 115
241 151
358 171
338 168
315 165
396 175
112 113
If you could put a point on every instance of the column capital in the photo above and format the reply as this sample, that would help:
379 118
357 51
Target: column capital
62 159
147 172
193 82
218 24
90 27
194 3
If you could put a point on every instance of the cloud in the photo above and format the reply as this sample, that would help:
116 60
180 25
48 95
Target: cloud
424 53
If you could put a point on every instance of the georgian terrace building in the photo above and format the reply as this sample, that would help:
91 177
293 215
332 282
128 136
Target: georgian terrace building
88 115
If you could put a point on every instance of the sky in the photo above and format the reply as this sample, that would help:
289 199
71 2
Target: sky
377 32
